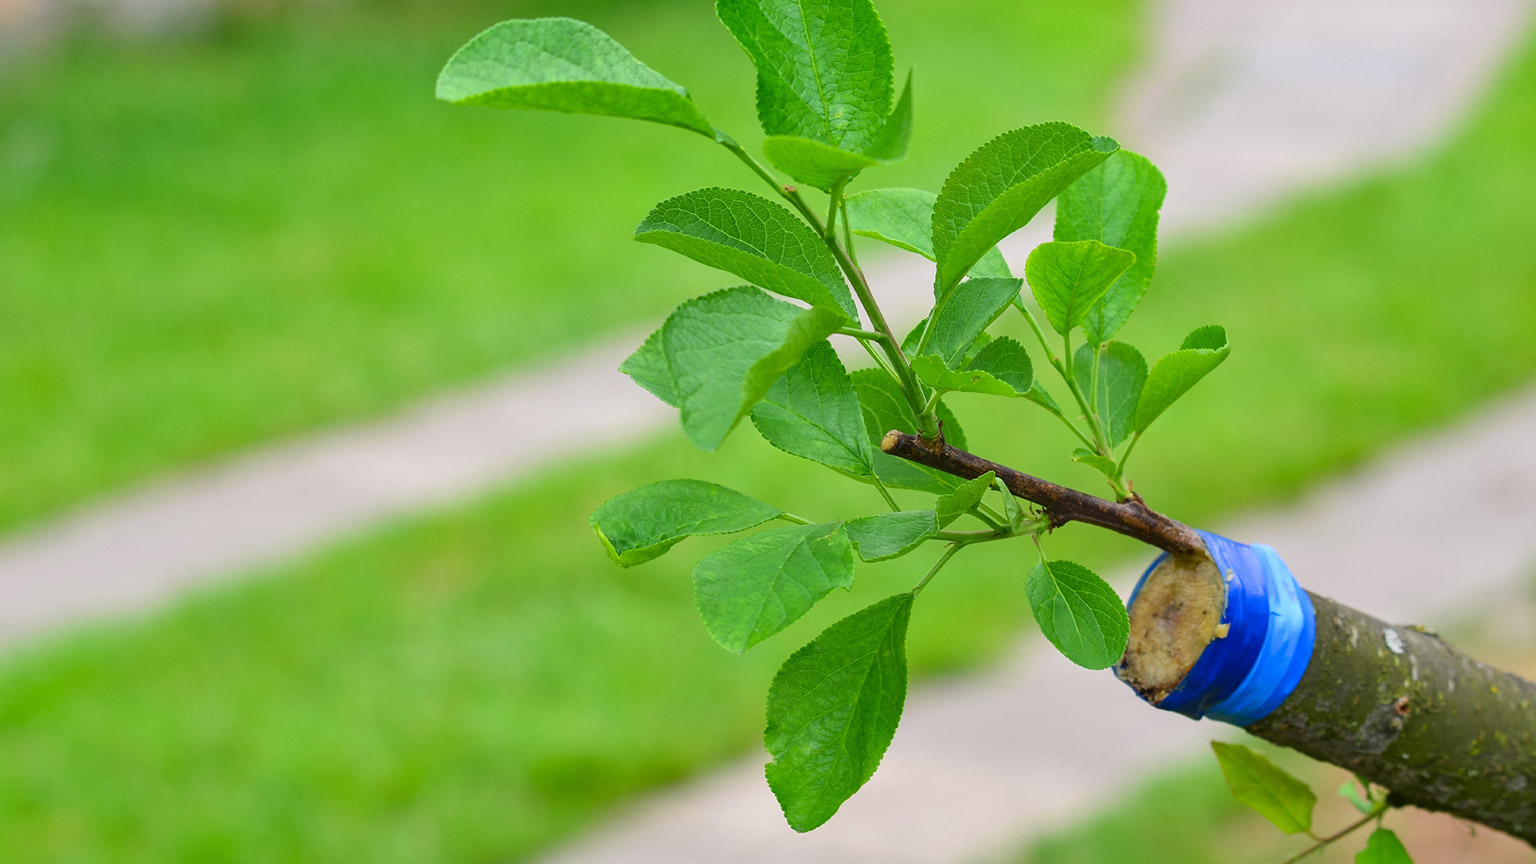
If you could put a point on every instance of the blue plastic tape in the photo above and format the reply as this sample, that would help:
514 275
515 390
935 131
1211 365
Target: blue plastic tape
1243 677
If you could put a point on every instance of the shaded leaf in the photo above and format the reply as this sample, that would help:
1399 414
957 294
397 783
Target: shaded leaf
1117 204
724 350
1001 186
1068 278
1002 368
904 219
833 710
959 502
813 412
1173 376
891 535
644 523
1383 848
884 409
1078 611
560 64
1274 793
760 584
971 308
754 238
1012 511
1122 374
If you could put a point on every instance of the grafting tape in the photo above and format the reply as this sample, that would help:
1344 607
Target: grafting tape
1243 677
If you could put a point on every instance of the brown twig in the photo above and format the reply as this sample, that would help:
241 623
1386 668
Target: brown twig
1132 518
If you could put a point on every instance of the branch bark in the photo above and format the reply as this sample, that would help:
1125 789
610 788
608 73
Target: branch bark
1396 705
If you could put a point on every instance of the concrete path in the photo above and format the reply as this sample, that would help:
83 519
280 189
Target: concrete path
1242 102
981 763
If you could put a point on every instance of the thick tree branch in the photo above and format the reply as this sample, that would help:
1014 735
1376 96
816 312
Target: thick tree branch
1060 503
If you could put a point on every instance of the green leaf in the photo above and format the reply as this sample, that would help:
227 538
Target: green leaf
1068 278
726 349
648 368
833 710
1275 794
813 412
1383 848
959 502
891 535
1011 509
644 523
1351 793
1002 368
1203 350
884 409
1001 186
560 64
754 238
824 166
904 219
1104 466
1078 611
824 68
1116 203
1122 374
971 309
760 584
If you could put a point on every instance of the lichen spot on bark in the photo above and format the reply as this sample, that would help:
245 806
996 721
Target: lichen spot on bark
1177 613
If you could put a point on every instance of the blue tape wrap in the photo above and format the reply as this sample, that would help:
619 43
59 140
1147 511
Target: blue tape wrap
1240 679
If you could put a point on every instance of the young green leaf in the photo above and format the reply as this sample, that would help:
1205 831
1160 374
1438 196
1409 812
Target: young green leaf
1001 368
1383 848
1078 611
1001 186
1068 278
833 710
1116 203
824 69
904 219
560 64
885 409
971 309
648 368
1122 372
959 502
1011 509
1275 794
756 239
644 523
1104 466
1203 350
824 166
725 349
1351 793
891 535
762 583
813 412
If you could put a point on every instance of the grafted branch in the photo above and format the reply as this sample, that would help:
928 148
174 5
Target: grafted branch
1061 504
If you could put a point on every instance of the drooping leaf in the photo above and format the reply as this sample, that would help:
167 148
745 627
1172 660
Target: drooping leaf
1274 793
1104 466
648 368
904 219
971 308
891 535
764 582
560 64
959 502
725 349
1351 793
756 239
1068 278
822 165
1012 511
1173 376
1078 611
1116 203
824 67
884 409
1121 375
644 523
1383 848
1001 186
833 710
1002 368
813 412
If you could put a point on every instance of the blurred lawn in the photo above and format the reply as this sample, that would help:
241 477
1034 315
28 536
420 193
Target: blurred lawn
209 243
476 685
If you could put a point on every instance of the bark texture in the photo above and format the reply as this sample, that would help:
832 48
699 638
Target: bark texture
1405 710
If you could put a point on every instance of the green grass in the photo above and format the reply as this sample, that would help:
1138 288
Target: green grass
217 241
478 684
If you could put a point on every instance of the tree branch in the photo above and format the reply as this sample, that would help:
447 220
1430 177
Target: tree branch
1133 518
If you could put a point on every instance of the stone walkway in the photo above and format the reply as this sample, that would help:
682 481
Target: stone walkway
1241 103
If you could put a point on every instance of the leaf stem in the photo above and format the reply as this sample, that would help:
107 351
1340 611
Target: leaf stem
856 333
790 517
938 565
885 493
1345 832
